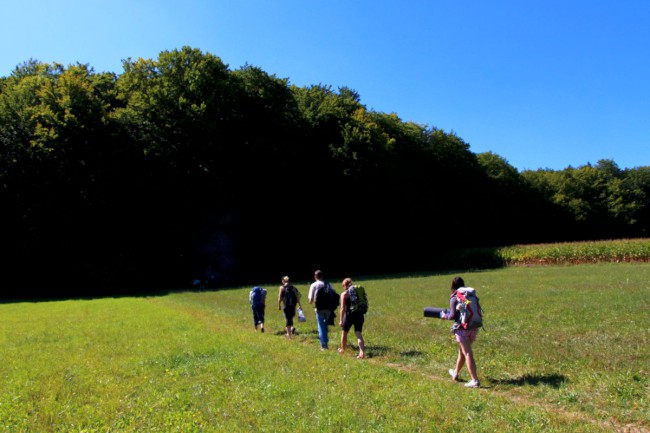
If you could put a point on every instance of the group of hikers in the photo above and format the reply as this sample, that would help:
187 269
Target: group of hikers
353 305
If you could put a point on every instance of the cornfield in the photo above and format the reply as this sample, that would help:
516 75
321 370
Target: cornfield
622 250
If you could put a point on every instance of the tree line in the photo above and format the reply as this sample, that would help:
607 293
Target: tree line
181 168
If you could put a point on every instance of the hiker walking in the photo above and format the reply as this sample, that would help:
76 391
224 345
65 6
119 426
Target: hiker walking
320 296
257 299
464 337
288 299
354 305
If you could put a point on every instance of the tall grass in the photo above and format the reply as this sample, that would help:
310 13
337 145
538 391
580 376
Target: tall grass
623 250
564 349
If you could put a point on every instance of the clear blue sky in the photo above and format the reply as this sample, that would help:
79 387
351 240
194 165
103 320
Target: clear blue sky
544 84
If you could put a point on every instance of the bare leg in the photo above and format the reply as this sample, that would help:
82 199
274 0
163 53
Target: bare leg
460 361
466 348
289 333
344 341
362 345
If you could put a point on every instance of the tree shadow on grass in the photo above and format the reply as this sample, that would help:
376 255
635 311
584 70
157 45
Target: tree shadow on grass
297 332
375 350
381 351
450 262
552 380
412 354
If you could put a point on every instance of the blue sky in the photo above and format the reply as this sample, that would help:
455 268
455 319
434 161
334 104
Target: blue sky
544 84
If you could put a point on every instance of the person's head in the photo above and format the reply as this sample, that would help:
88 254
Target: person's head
456 283
318 275
285 279
346 283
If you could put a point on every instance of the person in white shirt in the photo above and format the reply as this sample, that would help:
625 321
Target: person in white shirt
323 311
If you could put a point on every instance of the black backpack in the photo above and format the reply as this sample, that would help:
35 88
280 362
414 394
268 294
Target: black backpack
290 296
326 298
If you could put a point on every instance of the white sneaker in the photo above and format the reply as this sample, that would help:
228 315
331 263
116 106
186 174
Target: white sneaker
473 384
453 374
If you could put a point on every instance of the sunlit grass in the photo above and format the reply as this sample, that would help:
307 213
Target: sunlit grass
564 349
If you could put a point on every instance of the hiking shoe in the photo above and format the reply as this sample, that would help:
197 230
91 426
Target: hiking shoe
473 384
453 374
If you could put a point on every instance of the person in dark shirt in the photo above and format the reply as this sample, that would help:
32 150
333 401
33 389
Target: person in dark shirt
288 299
349 318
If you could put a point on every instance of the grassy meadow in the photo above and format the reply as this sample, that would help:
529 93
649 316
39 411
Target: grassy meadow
564 349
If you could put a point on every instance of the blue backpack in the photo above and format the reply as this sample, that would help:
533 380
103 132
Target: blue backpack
257 295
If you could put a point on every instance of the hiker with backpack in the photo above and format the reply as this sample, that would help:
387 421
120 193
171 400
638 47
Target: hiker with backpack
465 311
325 300
257 299
288 299
354 305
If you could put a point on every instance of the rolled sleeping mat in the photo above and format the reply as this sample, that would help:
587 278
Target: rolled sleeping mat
433 312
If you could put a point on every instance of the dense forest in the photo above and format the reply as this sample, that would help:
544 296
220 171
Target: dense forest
180 168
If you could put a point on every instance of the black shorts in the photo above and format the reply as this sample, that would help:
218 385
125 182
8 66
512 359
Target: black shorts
355 319
289 314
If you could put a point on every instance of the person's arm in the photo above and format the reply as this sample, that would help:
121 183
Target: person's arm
280 298
344 297
452 310
310 295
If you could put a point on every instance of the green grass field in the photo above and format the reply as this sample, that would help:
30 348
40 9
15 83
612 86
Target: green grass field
565 349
